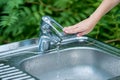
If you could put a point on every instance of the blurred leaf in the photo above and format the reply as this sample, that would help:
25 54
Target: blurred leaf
20 19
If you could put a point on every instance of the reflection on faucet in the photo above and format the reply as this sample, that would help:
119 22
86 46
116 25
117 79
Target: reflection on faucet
49 34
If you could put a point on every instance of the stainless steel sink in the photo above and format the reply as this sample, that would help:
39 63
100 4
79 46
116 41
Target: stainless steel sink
78 63
76 58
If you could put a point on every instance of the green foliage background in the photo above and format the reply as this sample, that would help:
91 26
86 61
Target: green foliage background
20 19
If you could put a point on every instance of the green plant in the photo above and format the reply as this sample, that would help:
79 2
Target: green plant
20 19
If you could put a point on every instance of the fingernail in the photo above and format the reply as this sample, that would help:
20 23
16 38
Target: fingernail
78 35
65 31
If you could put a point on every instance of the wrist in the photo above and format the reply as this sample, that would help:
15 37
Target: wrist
94 18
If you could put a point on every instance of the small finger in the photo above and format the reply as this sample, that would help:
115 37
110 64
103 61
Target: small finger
67 29
81 33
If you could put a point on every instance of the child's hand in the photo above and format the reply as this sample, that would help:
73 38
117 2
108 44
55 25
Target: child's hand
81 28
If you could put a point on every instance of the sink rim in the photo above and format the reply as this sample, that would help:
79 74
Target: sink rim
33 44
82 48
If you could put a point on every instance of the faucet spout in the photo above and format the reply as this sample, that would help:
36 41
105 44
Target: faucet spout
53 24
49 33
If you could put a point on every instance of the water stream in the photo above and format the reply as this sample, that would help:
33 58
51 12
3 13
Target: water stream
58 62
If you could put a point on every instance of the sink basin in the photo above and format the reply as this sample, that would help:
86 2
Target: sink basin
76 58
73 64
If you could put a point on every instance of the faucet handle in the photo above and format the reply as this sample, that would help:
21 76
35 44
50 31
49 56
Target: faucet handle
50 21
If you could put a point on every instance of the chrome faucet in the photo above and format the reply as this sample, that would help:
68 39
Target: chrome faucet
49 34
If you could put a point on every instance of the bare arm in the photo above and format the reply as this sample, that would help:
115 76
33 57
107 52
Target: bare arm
104 7
85 26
